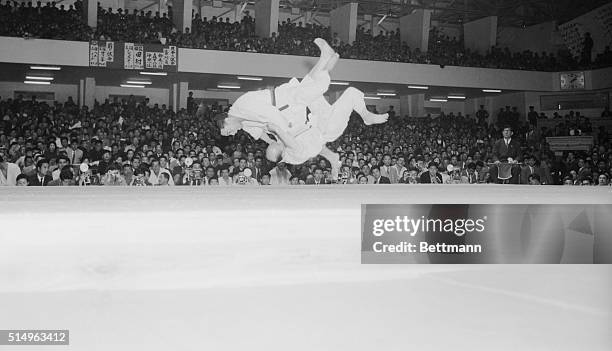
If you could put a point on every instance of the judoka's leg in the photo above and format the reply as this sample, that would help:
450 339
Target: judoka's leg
353 100
333 124
327 54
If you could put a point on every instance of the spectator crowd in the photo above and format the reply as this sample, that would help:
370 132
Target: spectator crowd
136 143
65 22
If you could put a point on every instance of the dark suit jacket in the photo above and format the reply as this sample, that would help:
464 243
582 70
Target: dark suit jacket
33 180
425 178
382 180
525 173
501 152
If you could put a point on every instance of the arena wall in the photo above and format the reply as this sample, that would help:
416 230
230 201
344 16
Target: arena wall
61 91
155 95
70 53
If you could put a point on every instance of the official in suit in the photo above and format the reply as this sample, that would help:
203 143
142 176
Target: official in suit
41 178
503 149
432 176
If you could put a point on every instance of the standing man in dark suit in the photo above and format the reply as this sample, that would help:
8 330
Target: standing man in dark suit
258 169
378 178
504 149
41 178
529 168
432 176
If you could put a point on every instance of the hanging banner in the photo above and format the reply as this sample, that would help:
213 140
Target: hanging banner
597 22
118 55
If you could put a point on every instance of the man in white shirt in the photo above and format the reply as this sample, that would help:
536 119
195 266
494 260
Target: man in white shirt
8 172
225 179
75 155
386 170
62 162
280 175
156 170
399 169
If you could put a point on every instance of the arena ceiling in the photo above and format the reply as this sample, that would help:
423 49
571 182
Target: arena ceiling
510 12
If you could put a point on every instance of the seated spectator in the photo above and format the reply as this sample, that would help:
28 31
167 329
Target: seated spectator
41 178
66 178
113 177
156 170
432 176
534 179
164 179
603 180
22 180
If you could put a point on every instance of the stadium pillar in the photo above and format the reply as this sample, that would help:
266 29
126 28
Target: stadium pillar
173 98
238 12
183 93
343 21
90 12
480 35
87 92
414 29
412 105
267 17
181 14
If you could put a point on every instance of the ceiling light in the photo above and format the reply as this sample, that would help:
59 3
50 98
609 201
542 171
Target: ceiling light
223 86
385 94
154 73
456 97
438 100
250 78
39 78
36 82
372 98
339 83
139 82
132 86
46 68
418 87
491 90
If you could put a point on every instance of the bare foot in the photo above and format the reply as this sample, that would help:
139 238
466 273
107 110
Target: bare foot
370 118
326 50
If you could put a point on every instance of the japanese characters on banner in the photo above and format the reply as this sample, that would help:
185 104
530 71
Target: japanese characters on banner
128 56
597 22
133 56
